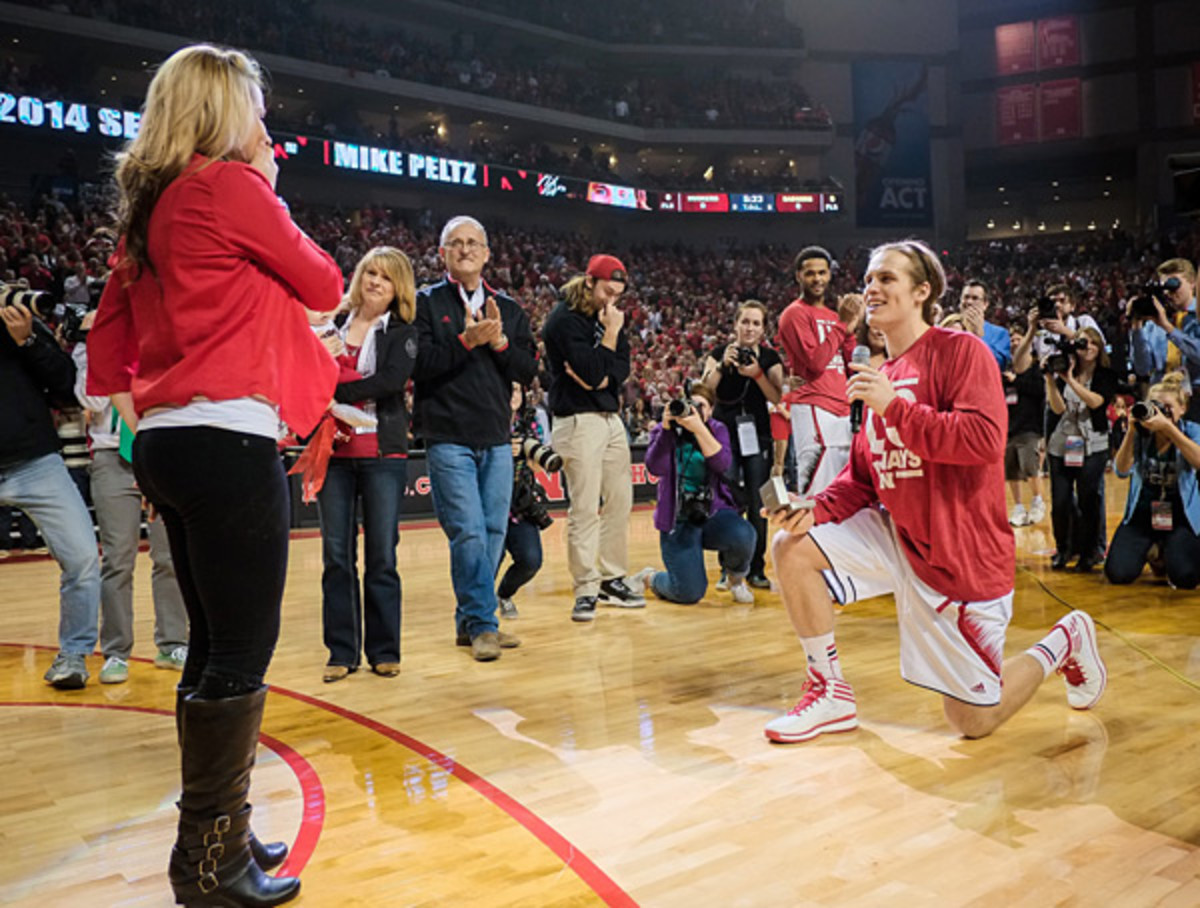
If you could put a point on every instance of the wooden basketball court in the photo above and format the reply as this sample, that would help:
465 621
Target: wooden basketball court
623 763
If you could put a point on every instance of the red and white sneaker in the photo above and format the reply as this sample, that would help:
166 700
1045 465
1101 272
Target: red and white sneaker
1083 669
827 706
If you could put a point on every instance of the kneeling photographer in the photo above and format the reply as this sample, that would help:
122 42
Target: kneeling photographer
689 452
1160 455
527 514
1079 387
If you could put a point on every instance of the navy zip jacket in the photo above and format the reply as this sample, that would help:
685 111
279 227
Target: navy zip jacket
463 396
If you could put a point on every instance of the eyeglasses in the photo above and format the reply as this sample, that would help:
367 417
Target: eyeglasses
471 244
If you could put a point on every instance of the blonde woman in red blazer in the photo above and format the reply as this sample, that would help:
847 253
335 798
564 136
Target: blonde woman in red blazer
201 339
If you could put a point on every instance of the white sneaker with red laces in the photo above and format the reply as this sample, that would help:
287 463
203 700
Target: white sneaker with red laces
827 706
1083 669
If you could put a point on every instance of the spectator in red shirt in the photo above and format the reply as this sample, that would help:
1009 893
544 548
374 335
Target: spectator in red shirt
919 512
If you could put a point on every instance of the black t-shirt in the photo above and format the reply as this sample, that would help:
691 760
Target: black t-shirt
1026 415
737 394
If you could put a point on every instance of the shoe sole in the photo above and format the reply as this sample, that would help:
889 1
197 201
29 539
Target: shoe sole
583 617
465 641
619 603
1093 646
71 682
833 726
120 680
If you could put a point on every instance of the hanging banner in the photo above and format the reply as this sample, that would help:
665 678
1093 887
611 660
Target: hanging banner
891 144
1060 110
1058 42
1015 51
1016 114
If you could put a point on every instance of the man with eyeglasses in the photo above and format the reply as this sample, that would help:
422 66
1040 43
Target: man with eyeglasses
473 343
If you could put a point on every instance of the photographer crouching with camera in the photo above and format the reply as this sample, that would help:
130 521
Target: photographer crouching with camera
527 514
587 355
689 452
746 376
37 374
1160 455
1079 387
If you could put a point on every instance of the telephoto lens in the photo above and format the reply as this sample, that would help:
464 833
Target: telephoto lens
1144 409
677 408
541 455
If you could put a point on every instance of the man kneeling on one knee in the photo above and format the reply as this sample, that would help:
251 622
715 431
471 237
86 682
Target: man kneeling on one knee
689 453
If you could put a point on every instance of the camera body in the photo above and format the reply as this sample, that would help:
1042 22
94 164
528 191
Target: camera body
695 507
1046 308
1162 290
746 357
1059 362
528 497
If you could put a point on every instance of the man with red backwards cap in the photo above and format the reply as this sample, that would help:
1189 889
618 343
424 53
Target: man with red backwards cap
587 356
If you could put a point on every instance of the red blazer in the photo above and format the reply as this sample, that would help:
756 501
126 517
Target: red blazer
220 315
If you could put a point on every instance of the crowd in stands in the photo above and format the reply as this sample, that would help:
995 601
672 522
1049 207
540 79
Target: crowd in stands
466 63
681 300
751 23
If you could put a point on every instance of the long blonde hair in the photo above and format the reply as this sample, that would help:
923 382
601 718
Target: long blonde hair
578 294
395 264
202 99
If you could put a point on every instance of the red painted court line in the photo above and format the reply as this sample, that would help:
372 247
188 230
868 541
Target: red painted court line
312 793
583 867
599 882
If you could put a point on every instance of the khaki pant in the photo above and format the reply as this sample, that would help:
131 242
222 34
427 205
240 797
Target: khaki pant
595 452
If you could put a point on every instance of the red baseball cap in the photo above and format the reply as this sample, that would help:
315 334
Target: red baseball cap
607 268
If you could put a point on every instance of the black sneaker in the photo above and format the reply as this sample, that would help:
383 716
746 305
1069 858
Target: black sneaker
617 594
759 581
585 609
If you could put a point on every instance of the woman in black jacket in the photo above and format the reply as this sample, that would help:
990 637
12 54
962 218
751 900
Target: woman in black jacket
1078 447
369 467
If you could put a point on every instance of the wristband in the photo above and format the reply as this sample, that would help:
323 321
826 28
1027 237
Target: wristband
29 341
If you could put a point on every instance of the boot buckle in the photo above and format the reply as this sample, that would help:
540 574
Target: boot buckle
208 878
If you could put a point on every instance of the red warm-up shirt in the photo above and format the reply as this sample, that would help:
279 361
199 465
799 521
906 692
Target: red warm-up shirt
220 314
817 346
935 460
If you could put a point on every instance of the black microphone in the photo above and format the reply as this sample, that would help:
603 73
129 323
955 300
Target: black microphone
860 357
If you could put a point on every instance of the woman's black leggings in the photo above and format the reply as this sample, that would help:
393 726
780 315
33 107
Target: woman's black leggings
223 497
1075 503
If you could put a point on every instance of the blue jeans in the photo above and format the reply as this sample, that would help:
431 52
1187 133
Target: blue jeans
378 482
524 544
44 490
685 579
472 488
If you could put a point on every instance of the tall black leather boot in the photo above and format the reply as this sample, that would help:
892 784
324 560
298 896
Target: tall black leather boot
211 865
267 855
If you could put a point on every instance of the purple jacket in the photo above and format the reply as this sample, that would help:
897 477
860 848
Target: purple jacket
660 461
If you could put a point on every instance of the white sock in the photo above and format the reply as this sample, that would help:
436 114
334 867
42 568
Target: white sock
1037 499
1051 651
822 655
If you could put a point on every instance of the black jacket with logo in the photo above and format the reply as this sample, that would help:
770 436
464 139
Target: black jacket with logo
463 396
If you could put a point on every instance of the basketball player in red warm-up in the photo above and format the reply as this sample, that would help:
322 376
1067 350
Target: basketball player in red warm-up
919 512
817 343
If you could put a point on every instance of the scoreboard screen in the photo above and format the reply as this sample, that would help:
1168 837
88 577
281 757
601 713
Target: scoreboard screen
751 202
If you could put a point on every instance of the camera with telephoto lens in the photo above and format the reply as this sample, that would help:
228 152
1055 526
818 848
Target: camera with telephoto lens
746 357
1141 307
678 407
541 455
1059 362
528 497
1144 409
40 302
